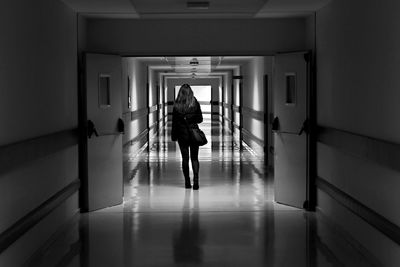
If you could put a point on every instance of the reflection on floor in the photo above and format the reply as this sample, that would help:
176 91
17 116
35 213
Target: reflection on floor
231 221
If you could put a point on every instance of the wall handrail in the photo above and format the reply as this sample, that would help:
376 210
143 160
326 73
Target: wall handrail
380 151
16 154
23 225
385 226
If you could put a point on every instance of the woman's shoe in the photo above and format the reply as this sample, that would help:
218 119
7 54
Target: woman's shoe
195 183
188 185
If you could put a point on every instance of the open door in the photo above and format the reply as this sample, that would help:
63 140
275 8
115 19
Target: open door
103 184
290 127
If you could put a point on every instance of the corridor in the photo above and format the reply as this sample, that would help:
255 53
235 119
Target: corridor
87 85
231 221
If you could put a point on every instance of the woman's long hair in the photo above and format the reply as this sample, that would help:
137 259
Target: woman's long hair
185 99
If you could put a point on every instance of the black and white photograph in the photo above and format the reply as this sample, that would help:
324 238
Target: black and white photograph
215 133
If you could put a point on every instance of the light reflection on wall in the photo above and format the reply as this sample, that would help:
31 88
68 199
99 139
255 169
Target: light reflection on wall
257 70
134 98
152 118
133 68
256 127
237 117
134 129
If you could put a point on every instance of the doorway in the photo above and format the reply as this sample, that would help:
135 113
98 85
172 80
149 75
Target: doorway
148 106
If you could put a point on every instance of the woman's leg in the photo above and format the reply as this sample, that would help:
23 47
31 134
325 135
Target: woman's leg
194 156
185 163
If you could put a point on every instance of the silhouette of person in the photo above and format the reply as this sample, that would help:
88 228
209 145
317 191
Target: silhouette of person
187 112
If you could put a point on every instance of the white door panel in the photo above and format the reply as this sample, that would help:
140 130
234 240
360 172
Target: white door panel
105 172
291 171
291 115
104 108
290 107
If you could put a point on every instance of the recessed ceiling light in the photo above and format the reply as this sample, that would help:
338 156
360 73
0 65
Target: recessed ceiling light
194 62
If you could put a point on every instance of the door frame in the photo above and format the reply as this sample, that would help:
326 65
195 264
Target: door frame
83 129
311 113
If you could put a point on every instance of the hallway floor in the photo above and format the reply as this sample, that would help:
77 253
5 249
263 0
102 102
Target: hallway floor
231 221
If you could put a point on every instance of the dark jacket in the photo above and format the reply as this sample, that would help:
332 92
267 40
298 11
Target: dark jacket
179 125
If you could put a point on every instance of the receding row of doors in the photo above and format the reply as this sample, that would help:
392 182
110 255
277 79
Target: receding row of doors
101 144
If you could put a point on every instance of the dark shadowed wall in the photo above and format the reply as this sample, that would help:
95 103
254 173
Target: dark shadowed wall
195 37
38 121
358 109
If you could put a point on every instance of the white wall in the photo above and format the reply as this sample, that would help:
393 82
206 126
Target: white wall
228 97
153 95
254 96
38 96
253 84
358 91
137 72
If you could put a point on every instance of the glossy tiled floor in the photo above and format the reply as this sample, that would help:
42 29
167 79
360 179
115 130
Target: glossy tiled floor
231 221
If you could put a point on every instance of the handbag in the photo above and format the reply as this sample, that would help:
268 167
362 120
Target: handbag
197 136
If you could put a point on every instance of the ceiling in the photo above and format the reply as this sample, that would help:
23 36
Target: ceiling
197 66
142 9
199 9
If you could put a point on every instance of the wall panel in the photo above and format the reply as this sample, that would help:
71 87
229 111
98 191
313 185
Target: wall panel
257 36
385 252
38 77
136 115
372 184
21 250
256 103
38 99
357 96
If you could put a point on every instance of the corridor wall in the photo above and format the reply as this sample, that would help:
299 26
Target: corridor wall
39 118
227 101
255 107
134 79
237 84
359 135
153 106
232 102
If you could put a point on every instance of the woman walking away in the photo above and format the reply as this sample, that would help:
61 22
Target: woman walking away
186 113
